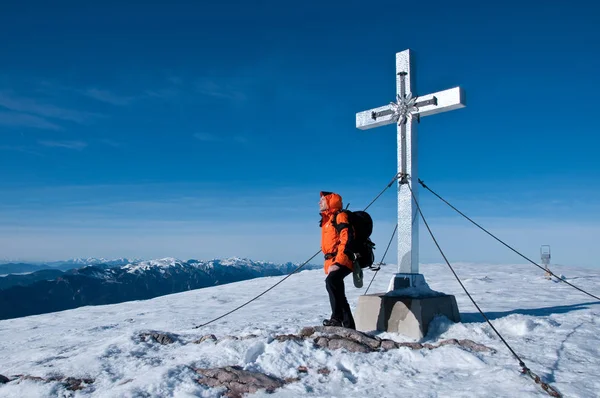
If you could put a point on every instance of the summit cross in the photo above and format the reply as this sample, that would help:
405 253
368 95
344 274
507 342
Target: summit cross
406 111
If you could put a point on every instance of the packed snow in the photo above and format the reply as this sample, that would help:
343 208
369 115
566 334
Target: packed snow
552 327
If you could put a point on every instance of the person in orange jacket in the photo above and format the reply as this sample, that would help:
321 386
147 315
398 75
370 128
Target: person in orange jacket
335 236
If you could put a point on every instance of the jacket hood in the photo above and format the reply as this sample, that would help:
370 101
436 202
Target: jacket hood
333 200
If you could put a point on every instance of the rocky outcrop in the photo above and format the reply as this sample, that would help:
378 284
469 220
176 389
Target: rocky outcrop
70 383
159 337
202 339
336 338
238 381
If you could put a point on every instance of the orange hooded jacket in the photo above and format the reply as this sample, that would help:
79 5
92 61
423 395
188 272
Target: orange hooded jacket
334 241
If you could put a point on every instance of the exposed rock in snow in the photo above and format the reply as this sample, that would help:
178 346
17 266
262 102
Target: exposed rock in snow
162 338
238 381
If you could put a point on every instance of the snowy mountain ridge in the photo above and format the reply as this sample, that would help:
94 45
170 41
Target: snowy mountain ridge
92 261
232 263
52 290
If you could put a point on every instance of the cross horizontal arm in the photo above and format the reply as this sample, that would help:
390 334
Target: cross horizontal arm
383 116
442 101
447 100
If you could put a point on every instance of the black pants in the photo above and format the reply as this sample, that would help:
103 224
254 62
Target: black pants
340 309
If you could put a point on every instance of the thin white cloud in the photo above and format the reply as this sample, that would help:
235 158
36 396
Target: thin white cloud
27 105
240 139
165 93
108 97
21 149
213 89
174 89
111 143
50 89
16 119
175 80
76 145
102 95
206 137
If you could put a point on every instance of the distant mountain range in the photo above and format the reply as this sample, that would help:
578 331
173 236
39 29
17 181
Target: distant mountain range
108 282
20 267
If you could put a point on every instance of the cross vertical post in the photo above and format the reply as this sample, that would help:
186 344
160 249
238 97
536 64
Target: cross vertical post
408 220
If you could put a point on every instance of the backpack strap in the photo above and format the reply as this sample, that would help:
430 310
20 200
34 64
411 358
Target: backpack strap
334 223
348 251
329 256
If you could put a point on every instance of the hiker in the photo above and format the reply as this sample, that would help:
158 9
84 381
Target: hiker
338 262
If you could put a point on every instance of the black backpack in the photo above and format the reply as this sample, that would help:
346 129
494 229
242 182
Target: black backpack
361 245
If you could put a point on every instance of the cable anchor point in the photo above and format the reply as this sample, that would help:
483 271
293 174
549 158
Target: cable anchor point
403 178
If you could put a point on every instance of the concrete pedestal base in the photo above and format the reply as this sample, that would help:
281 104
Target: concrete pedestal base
410 316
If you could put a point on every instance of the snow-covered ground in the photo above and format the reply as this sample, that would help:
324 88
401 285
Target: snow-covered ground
553 327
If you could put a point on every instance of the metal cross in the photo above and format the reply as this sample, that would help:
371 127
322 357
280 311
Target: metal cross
406 112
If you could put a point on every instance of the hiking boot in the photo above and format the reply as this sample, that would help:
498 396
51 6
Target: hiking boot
332 322
349 325
357 275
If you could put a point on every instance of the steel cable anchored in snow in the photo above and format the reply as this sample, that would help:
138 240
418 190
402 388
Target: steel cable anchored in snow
255 298
291 273
490 234
524 369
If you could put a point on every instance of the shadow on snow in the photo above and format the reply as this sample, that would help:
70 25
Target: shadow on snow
469 317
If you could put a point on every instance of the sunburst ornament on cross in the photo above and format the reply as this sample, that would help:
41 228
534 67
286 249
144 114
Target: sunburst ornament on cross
404 108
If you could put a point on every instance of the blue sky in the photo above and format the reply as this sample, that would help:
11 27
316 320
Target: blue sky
201 130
